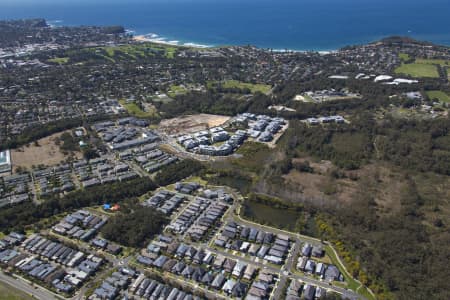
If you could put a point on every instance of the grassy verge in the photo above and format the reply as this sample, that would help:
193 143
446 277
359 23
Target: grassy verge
8 292
351 282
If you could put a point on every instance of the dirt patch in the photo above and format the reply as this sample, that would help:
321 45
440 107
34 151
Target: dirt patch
384 184
45 152
191 123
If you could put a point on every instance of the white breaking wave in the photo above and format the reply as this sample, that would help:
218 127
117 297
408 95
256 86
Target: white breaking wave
54 23
156 38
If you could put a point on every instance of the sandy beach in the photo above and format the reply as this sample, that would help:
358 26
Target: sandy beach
160 40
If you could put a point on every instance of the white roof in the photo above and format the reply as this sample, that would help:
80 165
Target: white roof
382 78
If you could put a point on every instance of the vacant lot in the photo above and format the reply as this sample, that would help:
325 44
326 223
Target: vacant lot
191 123
418 70
45 152
382 184
441 96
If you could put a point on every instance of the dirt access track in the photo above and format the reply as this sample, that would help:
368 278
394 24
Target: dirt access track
191 123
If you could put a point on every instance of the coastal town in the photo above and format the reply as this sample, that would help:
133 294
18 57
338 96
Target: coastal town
131 169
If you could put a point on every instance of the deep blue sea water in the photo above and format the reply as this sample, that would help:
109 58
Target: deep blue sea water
278 24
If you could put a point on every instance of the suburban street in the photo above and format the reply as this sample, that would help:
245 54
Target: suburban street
283 272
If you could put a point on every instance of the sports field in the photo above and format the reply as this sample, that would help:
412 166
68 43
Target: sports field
418 70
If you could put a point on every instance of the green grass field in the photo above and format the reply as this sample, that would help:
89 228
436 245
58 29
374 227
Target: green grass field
230 84
176 90
403 56
441 62
441 96
262 88
59 60
134 110
140 51
8 292
418 70
308 98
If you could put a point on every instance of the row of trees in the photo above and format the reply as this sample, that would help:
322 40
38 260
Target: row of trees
178 171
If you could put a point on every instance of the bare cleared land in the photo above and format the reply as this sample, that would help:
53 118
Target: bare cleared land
191 123
384 185
44 152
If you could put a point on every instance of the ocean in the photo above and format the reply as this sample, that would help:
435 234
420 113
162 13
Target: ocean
277 24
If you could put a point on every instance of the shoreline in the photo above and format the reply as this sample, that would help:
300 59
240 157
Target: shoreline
138 36
157 39
154 38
